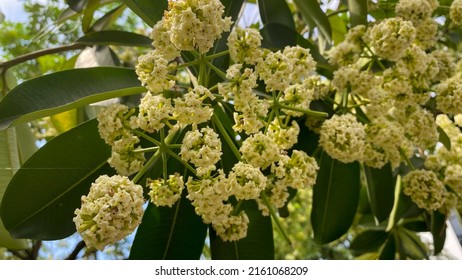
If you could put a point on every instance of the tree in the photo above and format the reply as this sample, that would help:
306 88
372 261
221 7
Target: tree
219 130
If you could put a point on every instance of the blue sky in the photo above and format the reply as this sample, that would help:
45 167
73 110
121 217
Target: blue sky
12 9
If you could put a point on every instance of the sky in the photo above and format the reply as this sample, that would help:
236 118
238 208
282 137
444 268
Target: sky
12 10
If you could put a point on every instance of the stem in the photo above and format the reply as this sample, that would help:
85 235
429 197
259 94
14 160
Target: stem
33 55
145 167
164 150
406 159
228 139
215 55
275 218
149 138
217 70
187 165
308 112
146 150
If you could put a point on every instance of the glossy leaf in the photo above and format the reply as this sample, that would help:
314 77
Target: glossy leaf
409 244
276 11
338 28
358 12
77 5
388 251
105 21
116 38
257 245
148 10
40 200
169 233
444 138
277 36
312 12
64 121
335 198
65 90
380 185
369 241
438 230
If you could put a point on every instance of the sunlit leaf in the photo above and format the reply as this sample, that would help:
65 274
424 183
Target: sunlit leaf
335 199
444 138
65 90
40 199
369 241
358 12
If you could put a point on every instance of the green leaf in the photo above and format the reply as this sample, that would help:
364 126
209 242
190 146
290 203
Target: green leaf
116 38
65 90
338 28
88 14
169 233
358 12
77 5
105 21
409 244
40 200
380 185
335 198
438 230
9 163
148 10
369 241
444 138
276 11
277 36
389 249
257 245
312 12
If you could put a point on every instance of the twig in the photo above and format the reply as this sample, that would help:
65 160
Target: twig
76 251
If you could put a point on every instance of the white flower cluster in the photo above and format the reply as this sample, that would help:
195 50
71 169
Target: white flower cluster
165 192
111 211
425 189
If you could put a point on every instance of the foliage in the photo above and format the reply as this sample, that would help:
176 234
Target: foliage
332 125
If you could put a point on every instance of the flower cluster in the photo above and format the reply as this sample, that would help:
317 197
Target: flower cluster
112 210
238 138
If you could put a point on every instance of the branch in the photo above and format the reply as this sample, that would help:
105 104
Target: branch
76 251
33 55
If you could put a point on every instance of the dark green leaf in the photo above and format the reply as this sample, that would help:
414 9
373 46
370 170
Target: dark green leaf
444 138
335 199
369 241
40 200
276 11
277 36
105 21
169 233
88 15
358 12
257 245
148 10
409 244
312 12
438 230
77 5
389 250
380 185
115 37
65 90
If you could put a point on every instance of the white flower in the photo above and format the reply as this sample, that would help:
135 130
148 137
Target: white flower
244 45
455 12
111 211
113 123
153 71
190 109
259 150
425 189
155 111
246 182
165 192
124 158
343 138
202 148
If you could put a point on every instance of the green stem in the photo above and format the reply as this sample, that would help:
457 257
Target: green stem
146 166
187 165
215 55
146 150
406 159
228 139
217 70
308 112
164 149
149 138
275 218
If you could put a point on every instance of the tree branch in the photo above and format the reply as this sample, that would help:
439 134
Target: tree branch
76 251
33 55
